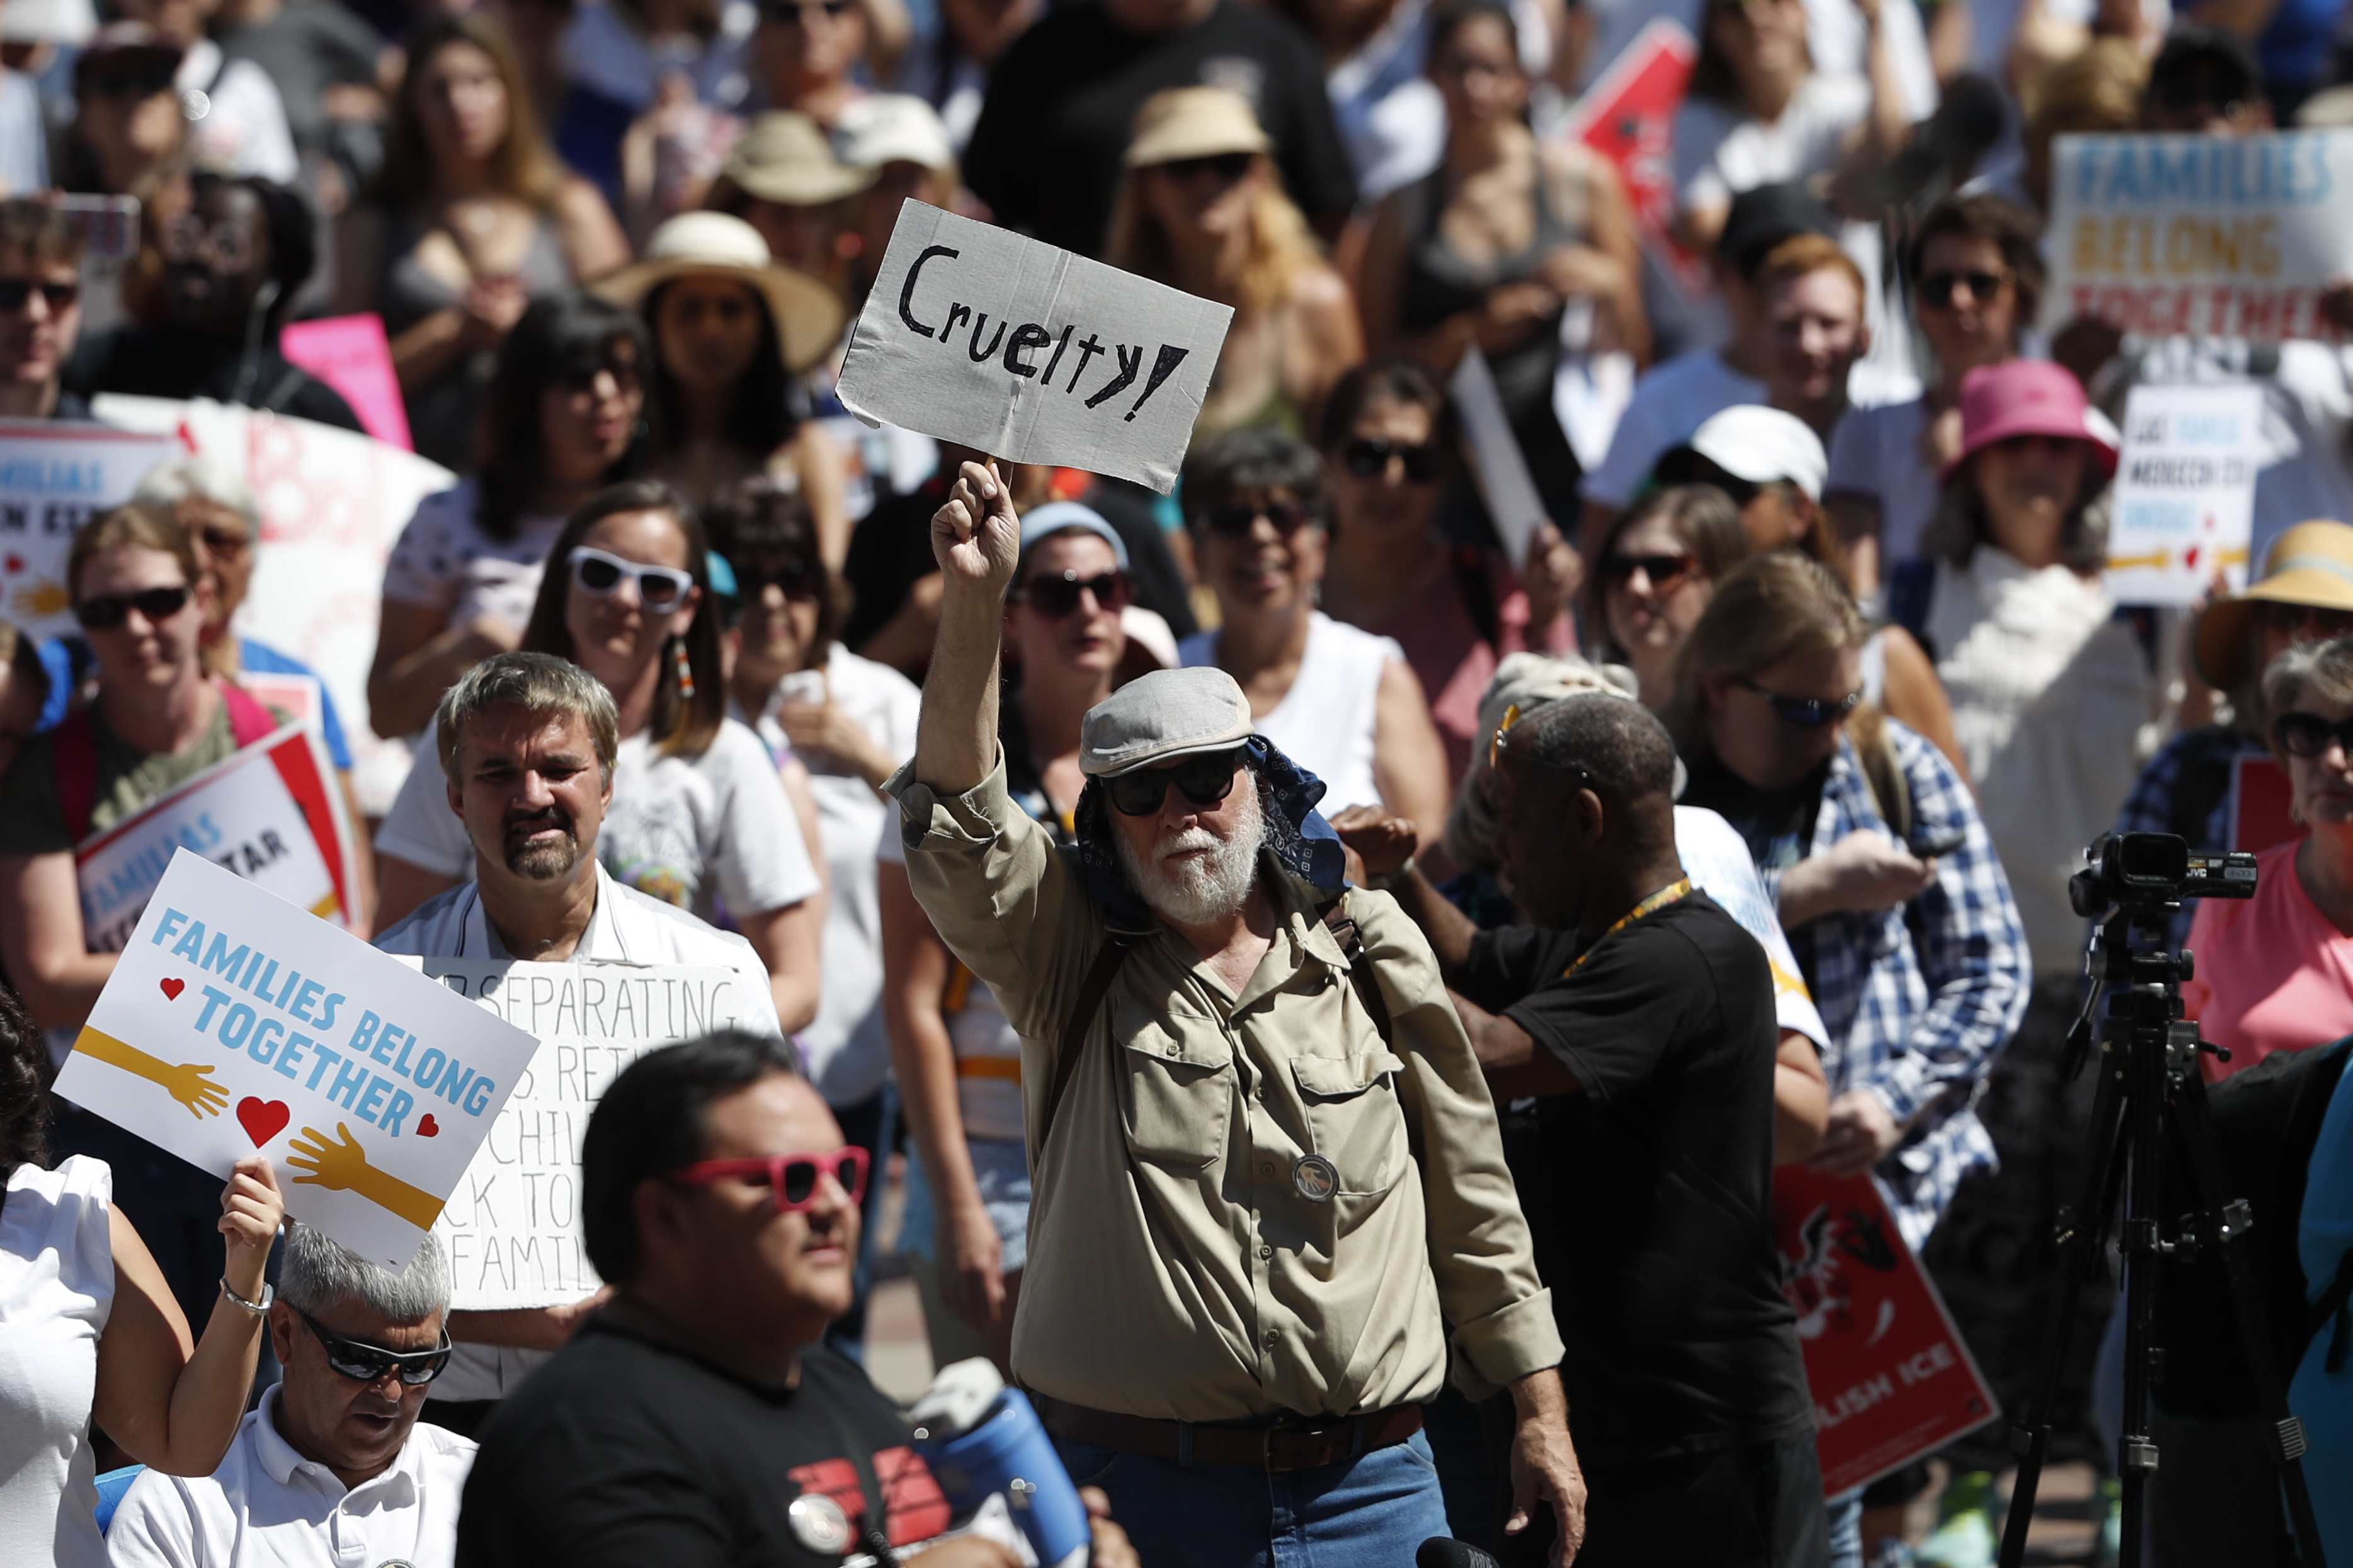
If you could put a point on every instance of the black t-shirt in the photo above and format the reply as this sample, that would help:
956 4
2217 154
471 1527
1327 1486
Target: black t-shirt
1648 1193
172 362
627 1452
1045 152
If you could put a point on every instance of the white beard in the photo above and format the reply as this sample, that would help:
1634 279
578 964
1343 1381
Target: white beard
1209 888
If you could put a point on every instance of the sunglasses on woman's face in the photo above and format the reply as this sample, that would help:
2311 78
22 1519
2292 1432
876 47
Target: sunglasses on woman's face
107 611
796 580
1369 457
1937 289
600 576
1237 521
364 1363
2308 734
1057 595
1203 780
1661 571
1227 166
791 1179
1806 712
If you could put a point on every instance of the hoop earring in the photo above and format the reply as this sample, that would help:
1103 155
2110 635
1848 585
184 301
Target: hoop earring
685 669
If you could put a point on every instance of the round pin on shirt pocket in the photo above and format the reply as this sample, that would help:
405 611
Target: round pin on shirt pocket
1175 1086
1354 1111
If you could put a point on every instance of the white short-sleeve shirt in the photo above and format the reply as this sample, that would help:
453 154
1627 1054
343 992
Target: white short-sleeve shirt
268 1507
57 1286
1327 720
1876 453
1670 403
445 560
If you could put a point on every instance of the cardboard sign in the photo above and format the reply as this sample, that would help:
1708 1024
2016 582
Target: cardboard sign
54 476
235 1022
331 504
1497 463
270 813
1891 1378
2223 236
2185 496
1629 117
513 1230
352 354
976 335
2259 797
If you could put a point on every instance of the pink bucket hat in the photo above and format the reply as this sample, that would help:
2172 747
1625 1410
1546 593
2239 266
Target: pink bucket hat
2028 397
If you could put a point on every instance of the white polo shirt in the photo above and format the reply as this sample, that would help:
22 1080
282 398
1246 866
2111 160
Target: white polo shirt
628 927
266 1506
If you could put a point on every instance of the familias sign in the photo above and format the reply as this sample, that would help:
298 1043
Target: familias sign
976 335
227 997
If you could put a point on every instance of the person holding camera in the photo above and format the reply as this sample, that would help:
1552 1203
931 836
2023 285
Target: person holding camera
1266 1170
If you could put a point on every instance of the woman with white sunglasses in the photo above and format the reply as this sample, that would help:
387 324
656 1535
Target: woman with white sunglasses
700 816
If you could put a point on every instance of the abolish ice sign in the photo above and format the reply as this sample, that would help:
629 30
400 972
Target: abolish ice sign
978 336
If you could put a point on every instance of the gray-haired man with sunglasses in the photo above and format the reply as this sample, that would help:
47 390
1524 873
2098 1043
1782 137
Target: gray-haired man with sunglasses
1266 1171
334 1466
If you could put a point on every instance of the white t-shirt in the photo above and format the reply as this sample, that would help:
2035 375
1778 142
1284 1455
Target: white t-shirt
846 1045
56 1285
444 559
1876 453
692 831
1722 149
268 1507
24 137
1670 403
1325 722
244 126
1835 37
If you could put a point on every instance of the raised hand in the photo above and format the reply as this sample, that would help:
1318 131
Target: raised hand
975 537
252 1211
1383 841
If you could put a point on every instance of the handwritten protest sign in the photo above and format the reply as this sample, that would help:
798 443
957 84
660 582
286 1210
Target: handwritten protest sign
54 476
235 1022
976 335
271 814
512 1229
2184 495
1891 1378
2231 235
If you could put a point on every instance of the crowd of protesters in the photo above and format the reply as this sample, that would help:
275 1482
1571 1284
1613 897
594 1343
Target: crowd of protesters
1394 1217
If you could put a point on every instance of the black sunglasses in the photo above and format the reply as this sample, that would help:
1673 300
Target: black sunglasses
1663 571
1806 712
2308 734
781 11
1937 287
1227 166
16 292
1057 597
1367 458
794 579
364 1363
1236 521
1204 781
107 611
128 84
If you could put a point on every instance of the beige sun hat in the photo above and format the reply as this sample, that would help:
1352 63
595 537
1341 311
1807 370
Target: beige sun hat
785 157
1193 122
808 315
2310 565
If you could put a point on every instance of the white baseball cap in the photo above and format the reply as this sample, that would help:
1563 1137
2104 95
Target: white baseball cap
893 128
1761 445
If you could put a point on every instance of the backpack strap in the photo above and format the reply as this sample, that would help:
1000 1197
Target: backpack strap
1092 992
73 753
2337 1302
1343 927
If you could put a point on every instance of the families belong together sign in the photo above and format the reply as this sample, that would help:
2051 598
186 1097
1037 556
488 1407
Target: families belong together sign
1012 347
235 1022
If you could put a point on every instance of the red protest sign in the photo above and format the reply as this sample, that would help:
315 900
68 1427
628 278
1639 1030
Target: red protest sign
1891 1378
1629 117
2261 796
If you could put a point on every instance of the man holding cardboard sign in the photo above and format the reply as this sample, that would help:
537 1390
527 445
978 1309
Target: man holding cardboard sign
528 743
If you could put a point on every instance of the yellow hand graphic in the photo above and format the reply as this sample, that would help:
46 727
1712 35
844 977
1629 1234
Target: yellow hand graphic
190 1083
343 1166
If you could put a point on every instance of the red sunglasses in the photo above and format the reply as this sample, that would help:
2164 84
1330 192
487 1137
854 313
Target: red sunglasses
792 1179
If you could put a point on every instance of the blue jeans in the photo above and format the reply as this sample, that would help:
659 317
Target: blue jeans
1370 1511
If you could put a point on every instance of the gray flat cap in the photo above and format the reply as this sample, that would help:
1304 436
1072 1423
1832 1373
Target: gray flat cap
1160 716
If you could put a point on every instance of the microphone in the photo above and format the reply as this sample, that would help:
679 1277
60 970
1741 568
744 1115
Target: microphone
1444 1552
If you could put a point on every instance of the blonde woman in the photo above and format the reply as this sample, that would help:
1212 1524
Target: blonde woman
1202 209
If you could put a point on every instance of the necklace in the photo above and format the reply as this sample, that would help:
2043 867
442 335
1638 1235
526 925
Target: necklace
1659 901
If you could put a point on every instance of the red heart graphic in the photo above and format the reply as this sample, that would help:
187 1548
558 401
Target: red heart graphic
263 1118
173 988
427 1127
16 563
2189 556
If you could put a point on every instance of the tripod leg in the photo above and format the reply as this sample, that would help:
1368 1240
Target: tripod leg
2080 1235
2222 1224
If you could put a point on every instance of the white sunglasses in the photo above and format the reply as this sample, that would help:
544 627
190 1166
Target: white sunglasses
658 588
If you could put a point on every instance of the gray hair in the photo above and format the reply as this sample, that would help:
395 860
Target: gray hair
200 478
2323 668
536 683
320 1274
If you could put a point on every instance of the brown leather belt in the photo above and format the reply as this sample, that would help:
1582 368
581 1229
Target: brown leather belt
1282 1446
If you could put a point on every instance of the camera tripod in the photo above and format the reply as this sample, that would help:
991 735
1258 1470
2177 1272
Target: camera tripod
2149 1084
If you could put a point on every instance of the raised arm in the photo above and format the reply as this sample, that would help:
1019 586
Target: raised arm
977 539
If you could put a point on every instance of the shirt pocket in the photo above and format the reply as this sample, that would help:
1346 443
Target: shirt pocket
1175 1086
1355 1114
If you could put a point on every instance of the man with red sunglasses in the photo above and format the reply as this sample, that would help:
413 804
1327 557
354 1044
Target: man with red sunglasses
699 1418
1266 1173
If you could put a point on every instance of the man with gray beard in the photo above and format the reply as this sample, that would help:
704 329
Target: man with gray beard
1266 1169
528 743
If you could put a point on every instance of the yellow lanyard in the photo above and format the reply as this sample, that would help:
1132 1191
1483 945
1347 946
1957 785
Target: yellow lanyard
1652 905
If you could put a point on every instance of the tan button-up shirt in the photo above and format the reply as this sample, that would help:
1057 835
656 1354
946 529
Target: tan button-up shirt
1175 1270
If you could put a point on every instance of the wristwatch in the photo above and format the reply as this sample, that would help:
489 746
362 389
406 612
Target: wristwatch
242 1305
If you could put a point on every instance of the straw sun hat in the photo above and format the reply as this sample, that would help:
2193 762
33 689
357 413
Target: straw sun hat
808 315
2310 565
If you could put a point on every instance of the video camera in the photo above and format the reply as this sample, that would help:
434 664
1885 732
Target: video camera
2153 872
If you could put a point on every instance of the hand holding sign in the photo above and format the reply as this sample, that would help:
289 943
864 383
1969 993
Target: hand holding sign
975 537
251 1212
